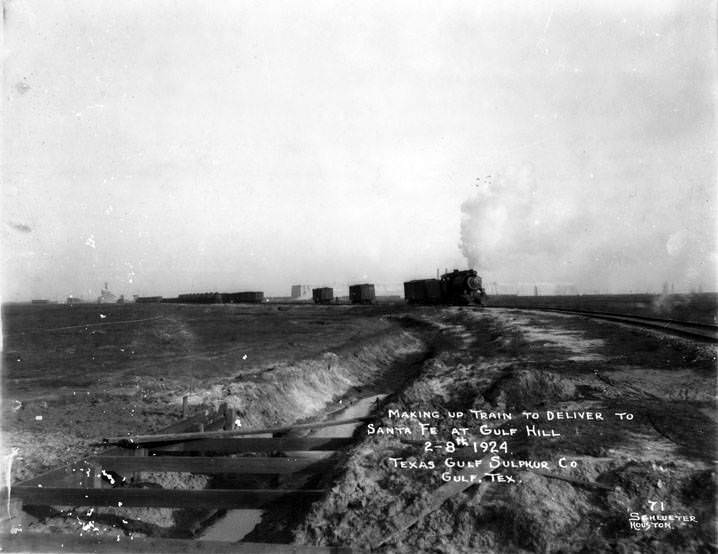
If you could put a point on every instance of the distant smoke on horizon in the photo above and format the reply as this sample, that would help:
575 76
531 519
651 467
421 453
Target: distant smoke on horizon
20 227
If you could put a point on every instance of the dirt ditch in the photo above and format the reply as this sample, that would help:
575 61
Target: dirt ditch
285 393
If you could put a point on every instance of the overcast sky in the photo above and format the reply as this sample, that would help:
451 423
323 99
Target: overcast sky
184 146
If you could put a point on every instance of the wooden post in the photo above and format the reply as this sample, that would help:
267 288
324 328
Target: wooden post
230 415
12 519
138 452
185 400
96 476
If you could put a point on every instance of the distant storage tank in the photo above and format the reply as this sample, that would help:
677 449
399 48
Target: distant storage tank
323 295
362 294
301 291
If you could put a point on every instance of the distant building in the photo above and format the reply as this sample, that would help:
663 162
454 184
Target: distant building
106 297
74 300
301 292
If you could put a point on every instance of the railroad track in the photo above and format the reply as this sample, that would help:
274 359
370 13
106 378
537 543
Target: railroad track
703 332
205 444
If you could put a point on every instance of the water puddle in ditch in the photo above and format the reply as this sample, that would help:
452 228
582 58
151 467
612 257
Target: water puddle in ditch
236 524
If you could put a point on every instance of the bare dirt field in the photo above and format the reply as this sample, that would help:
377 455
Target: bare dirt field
73 375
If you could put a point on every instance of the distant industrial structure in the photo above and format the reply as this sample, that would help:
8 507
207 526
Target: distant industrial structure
301 292
106 297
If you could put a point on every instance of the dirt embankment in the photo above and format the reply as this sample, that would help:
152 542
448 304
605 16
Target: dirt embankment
293 391
506 362
75 374
284 393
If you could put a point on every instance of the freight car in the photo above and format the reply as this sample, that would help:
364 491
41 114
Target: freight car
148 299
423 291
457 288
254 297
200 298
362 294
323 295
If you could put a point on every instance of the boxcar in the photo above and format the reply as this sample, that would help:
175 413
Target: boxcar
423 291
362 294
323 295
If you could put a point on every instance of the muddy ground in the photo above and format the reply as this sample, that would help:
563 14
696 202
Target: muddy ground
95 371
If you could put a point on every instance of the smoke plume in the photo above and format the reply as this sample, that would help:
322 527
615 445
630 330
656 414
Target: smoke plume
519 231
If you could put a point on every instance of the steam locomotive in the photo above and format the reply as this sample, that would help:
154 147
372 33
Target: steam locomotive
456 287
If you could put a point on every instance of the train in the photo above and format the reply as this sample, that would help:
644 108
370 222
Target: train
206 298
452 288
459 288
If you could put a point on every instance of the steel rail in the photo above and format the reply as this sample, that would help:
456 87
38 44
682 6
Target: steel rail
704 332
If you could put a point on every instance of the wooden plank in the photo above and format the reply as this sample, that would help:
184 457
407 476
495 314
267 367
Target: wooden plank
416 513
43 543
71 472
174 437
156 498
575 481
209 465
191 423
231 446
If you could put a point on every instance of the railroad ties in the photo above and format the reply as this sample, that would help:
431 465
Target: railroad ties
200 445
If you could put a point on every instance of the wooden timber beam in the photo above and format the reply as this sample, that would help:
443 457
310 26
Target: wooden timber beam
44 543
232 445
174 437
209 465
156 498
